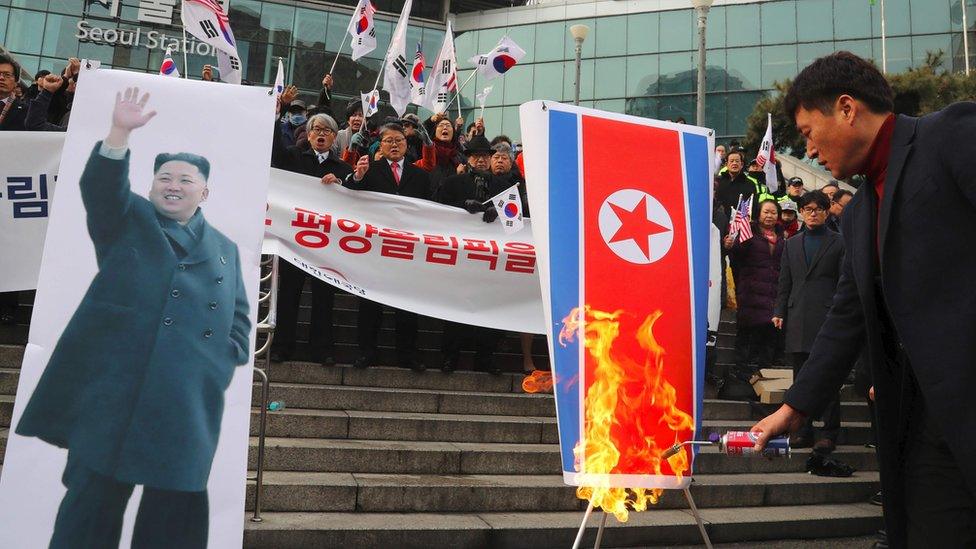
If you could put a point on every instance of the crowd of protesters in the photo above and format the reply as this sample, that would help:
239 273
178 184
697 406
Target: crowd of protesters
442 160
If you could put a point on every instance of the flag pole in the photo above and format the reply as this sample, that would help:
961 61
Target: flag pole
186 69
339 51
458 96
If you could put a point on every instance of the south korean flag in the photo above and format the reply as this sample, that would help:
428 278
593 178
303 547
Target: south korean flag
508 204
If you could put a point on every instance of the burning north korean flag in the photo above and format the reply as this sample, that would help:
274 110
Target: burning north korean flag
623 247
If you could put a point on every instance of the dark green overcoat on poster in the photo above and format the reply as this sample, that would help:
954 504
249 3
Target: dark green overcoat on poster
135 386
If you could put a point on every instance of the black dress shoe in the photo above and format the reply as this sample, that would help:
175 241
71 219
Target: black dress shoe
800 442
823 466
876 500
328 361
363 362
448 366
6 318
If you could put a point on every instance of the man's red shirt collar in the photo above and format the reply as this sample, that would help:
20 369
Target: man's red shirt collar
876 166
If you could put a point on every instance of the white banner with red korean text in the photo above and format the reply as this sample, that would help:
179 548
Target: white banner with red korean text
407 253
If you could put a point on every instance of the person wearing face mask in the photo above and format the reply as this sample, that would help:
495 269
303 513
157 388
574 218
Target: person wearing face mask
319 161
471 191
293 119
756 285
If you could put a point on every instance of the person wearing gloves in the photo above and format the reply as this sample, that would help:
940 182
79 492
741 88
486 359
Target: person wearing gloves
473 190
442 157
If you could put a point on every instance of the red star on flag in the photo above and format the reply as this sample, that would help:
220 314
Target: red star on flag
634 225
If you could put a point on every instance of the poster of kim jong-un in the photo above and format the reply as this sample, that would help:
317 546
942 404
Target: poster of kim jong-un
130 425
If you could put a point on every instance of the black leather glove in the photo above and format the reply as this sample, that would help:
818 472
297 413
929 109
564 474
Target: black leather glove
473 206
491 214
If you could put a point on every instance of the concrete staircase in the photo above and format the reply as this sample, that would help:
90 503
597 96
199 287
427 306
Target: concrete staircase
390 458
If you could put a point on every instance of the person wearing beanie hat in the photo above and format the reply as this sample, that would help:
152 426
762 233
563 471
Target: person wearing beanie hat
415 142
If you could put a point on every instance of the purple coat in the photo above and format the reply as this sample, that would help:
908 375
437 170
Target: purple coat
757 277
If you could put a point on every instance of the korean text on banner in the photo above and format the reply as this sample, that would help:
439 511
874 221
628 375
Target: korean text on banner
623 255
27 176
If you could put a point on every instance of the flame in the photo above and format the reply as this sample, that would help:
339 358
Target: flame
539 381
626 403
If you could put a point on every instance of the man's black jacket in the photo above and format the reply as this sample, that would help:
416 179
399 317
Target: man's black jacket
926 266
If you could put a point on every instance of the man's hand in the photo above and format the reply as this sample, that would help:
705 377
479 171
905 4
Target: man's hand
458 123
461 168
491 214
361 167
474 206
289 95
73 68
783 421
778 322
728 242
871 393
51 83
327 82
437 117
479 126
330 179
207 73
128 115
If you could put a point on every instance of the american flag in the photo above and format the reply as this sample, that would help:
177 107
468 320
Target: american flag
740 220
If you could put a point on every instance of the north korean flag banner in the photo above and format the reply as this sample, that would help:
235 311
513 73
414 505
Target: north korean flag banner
623 248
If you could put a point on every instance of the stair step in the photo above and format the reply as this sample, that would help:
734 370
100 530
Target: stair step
6 409
11 355
451 458
8 380
543 530
388 493
341 397
408 426
4 435
732 409
399 378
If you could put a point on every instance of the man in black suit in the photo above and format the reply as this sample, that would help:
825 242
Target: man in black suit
320 161
389 174
808 276
13 111
905 293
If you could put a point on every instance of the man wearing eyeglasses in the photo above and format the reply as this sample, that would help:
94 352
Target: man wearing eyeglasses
837 204
808 277
391 174
319 161
13 111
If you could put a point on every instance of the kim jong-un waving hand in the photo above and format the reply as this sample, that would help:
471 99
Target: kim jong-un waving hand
134 389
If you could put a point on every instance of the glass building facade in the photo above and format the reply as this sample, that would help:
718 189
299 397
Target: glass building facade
636 60
646 63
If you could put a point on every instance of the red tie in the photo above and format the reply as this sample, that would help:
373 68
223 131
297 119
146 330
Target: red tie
396 171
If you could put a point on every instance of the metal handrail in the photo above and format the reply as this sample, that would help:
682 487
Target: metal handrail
266 326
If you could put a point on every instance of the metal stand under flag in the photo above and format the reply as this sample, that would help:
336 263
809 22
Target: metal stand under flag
691 504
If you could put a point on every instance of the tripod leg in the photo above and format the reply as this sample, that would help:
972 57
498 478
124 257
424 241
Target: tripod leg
586 517
599 533
698 519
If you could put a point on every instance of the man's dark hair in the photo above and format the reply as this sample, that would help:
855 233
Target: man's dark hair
392 127
470 127
736 152
830 184
841 193
499 138
8 60
814 197
200 162
820 84
353 107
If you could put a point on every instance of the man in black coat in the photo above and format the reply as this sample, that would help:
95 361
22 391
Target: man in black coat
473 190
808 277
13 111
905 293
318 160
390 174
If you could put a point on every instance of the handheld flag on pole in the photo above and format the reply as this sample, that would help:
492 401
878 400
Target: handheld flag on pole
371 102
362 30
207 22
443 73
279 85
168 66
482 99
417 87
767 156
508 204
743 215
396 76
499 60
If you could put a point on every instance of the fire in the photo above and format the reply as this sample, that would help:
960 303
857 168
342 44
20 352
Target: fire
626 403
539 381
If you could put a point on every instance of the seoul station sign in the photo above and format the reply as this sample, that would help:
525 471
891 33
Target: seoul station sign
151 12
